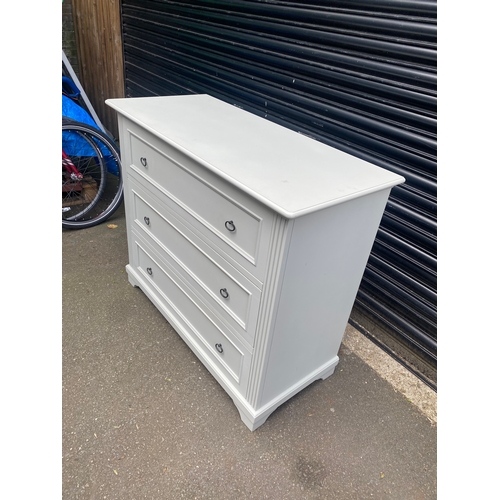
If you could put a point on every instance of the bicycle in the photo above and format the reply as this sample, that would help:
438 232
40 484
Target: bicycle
92 186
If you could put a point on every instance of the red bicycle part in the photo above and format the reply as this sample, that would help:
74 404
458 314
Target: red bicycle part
70 167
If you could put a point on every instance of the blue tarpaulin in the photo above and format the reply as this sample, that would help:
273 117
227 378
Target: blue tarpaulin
73 144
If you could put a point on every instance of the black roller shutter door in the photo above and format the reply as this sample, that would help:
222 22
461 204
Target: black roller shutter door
357 75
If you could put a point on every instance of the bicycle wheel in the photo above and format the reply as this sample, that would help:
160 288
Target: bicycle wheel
83 176
92 178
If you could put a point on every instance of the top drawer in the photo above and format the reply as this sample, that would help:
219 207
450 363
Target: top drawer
230 218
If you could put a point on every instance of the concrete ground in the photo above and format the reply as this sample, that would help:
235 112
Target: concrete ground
143 419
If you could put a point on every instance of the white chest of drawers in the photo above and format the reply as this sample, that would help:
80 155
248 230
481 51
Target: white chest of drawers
249 238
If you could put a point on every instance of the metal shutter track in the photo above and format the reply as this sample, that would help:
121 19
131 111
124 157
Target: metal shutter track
357 75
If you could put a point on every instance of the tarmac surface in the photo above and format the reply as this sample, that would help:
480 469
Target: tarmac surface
143 419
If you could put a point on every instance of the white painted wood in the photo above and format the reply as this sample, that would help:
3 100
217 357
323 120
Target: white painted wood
325 262
291 173
212 207
204 200
306 217
198 328
230 293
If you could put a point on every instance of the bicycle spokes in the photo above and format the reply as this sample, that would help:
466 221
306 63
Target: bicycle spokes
90 192
73 172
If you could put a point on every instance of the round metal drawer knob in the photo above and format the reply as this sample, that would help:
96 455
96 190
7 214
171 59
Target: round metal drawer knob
150 271
146 220
224 293
219 348
144 161
230 225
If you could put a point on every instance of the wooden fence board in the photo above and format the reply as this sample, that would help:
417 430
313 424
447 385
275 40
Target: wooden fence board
100 55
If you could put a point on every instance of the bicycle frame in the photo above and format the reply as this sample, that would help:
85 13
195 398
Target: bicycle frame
73 172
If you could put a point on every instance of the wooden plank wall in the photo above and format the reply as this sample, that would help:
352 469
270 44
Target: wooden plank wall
100 55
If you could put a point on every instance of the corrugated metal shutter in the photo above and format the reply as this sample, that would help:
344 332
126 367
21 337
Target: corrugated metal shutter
358 75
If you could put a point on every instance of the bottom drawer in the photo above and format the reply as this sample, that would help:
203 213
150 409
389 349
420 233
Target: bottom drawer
206 338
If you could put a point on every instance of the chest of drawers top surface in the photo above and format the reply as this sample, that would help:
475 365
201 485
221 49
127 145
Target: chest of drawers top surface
289 172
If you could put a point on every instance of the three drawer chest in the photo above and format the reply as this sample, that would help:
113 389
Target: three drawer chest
249 238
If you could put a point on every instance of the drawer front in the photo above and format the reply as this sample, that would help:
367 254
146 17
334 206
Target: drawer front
230 218
198 328
235 298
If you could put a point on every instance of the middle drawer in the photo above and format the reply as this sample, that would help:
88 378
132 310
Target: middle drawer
227 292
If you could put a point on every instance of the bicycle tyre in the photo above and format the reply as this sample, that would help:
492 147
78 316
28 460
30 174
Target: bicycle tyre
80 195
107 190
